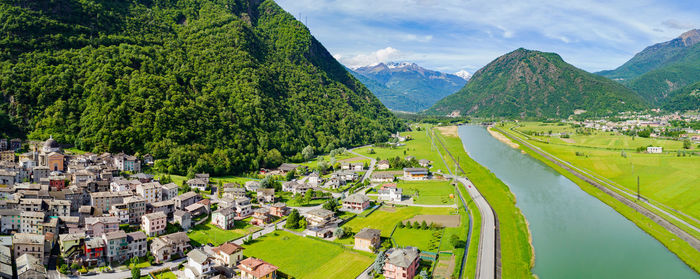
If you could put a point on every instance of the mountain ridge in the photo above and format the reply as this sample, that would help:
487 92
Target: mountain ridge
527 83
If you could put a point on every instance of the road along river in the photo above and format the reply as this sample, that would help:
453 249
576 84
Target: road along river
574 234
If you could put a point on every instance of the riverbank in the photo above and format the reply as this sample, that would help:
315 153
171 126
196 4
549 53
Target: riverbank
516 251
682 249
502 138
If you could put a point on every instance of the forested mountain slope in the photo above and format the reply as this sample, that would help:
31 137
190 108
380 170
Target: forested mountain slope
210 85
526 83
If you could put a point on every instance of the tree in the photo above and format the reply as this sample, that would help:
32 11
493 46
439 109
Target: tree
331 205
307 153
409 225
456 242
135 271
416 225
400 225
220 190
379 263
424 225
292 220
424 274
290 175
74 266
302 223
687 144
339 233
63 269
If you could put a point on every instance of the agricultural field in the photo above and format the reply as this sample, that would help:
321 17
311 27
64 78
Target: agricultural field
424 240
303 257
208 233
666 178
428 192
385 218
419 146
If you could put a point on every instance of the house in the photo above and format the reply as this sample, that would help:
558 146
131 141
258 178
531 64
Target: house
183 218
260 217
357 166
383 165
266 195
415 173
401 263
389 192
199 264
356 202
382 177
127 163
136 208
10 220
203 176
228 254
6 262
71 245
334 183
148 159
319 217
196 209
253 268
137 244
167 207
655 149
252 185
120 211
105 200
150 191
168 191
424 163
367 240
97 226
7 177
29 266
295 187
278 209
234 192
197 183
59 208
154 223
285 168
55 161
224 218
164 246
315 179
30 221
27 243
94 250
117 246
185 200
345 175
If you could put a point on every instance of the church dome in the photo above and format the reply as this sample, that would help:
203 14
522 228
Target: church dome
50 144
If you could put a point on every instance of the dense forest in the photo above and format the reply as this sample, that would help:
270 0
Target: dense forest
526 84
222 86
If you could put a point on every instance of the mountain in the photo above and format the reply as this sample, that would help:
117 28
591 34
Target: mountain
684 99
527 83
659 69
464 75
212 86
410 87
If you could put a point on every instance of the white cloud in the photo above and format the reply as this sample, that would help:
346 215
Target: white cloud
382 55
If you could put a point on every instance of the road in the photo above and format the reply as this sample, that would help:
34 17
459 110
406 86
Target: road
371 164
626 197
486 263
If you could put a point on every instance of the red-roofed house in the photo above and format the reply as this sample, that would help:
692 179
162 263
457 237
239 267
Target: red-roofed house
252 268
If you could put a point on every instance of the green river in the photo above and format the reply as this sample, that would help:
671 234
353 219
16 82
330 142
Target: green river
574 234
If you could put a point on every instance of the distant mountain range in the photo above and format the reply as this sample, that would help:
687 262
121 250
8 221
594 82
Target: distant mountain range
407 86
661 68
527 83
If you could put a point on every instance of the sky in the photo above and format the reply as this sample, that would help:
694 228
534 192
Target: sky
454 35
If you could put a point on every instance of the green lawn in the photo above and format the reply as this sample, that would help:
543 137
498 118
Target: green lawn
208 233
418 147
385 218
428 192
162 275
517 257
424 240
306 257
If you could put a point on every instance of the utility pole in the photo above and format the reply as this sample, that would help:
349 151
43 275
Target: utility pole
638 187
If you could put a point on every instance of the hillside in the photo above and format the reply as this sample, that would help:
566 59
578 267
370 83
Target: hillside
526 83
684 99
215 86
662 68
407 86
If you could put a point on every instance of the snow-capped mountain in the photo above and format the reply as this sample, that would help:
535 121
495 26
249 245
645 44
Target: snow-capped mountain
418 87
463 74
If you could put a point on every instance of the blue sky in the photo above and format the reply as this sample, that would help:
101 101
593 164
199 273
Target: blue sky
453 35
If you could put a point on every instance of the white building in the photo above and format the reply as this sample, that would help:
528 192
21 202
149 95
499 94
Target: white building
655 149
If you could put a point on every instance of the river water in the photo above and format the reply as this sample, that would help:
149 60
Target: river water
574 234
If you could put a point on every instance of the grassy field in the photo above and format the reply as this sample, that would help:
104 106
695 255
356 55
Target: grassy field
425 240
386 218
665 178
306 257
162 275
517 256
418 147
682 249
428 192
208 233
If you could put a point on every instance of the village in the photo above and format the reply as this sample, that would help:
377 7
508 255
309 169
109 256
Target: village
78 214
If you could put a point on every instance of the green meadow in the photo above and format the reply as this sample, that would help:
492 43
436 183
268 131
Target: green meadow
385 218
428 192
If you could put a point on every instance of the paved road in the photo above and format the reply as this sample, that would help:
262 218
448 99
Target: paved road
371 164
486 259
626 198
